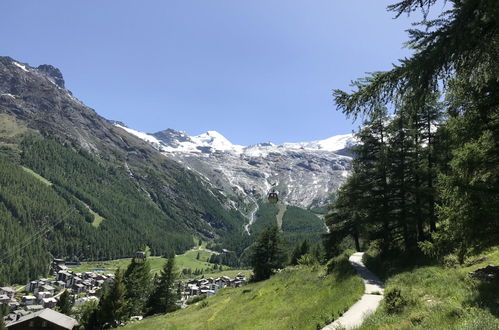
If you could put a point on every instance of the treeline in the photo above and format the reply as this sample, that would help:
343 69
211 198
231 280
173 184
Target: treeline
426 178
133 292
40 221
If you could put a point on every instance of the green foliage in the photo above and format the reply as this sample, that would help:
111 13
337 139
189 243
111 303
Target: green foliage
299 250
340 266
299 224
438 297
86 314
307 259
267 254
65 303
137 280
2 322
431 172
164 295
394 302
113 306
195 299
265 217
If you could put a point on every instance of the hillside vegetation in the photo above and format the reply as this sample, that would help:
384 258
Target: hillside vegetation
296 298
297 224
438 297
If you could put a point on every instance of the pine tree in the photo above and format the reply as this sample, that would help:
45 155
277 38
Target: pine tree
113 309
461 63
65 303
2 322
164 297
137 279
267 254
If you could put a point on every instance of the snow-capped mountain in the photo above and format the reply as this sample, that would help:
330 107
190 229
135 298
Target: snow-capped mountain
305 174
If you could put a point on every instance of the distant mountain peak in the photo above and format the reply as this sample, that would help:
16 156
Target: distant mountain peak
306 173
53 73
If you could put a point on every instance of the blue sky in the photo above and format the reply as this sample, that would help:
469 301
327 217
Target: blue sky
255 71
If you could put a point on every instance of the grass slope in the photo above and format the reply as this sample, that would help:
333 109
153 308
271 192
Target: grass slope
187 260
36 175
296 298
440 297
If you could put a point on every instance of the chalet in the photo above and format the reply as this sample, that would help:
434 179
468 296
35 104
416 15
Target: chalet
28 300
49 302
48 288
10 292
34 308
58 265
78 288
31 286
13 305
44 319
140 256
43 294
4 299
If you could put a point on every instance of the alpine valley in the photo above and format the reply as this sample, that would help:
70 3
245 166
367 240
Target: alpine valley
77 186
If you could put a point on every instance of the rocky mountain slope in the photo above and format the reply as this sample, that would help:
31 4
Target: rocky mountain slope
76 186
305 174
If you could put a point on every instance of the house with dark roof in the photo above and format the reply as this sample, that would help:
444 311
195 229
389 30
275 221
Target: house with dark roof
45 319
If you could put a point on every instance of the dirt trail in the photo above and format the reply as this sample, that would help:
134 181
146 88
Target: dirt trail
367 304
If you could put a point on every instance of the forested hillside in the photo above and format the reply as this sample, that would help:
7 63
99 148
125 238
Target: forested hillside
74 186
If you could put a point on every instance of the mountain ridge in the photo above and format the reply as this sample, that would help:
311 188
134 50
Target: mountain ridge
305 173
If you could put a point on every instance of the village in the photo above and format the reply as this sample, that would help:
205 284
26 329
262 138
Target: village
26 302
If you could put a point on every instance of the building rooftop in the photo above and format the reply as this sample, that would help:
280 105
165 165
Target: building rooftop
51 316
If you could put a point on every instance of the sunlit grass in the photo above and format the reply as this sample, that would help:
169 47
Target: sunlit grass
442 298
296 298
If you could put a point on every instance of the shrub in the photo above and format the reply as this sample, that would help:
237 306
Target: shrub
203 304
450 261
307 260
394 301
195 299
340 265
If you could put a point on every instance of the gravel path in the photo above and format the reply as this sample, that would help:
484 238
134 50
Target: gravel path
371 299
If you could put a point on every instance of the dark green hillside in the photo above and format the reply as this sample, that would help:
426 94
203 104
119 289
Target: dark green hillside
297 224
264 217
131 193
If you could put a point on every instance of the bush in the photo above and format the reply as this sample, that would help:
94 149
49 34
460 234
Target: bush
394 301
450 261
340 265
307 260
195 299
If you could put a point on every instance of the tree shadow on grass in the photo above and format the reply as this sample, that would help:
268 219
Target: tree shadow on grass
487 296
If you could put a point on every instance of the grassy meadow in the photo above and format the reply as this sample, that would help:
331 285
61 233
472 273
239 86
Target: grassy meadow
441 297
300 297
187 260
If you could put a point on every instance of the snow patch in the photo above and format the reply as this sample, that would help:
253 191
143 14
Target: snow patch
146 137
21 66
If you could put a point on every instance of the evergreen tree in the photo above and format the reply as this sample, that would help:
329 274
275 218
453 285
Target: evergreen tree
164 296
137 281
65 303
452 162
113 308
3 311
87 314
2 323
267 254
